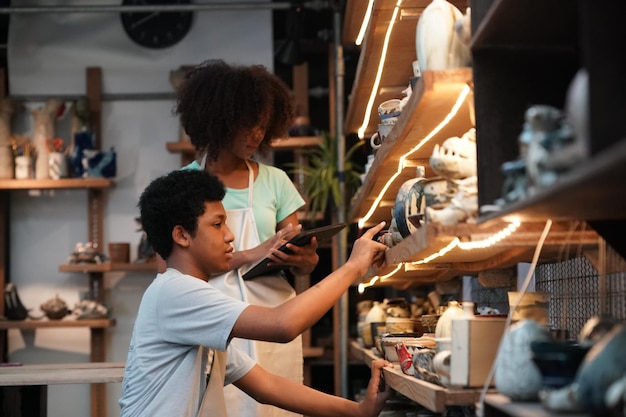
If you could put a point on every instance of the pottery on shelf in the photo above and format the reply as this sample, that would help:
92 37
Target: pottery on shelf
443 330
55 308
437 41
516 375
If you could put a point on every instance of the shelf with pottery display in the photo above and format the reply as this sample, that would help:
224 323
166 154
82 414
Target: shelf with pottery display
94 204
565 38
497 405
438 108
392 28
405 266
434 397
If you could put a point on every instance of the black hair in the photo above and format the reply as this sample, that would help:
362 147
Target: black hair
218 100
176 199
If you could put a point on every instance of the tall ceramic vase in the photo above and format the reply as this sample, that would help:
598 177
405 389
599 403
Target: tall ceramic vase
437 42
43 131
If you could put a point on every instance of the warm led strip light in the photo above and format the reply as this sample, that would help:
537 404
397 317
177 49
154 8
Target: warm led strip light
456 243
455 109
362 286
365 23
379 72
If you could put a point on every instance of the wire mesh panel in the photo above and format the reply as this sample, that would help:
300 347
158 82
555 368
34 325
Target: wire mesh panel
579 289
593 283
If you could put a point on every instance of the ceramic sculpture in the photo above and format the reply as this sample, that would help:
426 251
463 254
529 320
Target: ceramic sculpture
43 130
544 144
437 42
455 160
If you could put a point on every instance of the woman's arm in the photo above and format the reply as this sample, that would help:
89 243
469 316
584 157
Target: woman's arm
267 388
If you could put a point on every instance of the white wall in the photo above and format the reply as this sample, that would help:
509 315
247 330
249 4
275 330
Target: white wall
48 54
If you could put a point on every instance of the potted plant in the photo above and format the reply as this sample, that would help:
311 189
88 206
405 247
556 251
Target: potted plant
321 175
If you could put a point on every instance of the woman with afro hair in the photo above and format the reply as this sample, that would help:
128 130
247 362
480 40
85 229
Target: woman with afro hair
230 113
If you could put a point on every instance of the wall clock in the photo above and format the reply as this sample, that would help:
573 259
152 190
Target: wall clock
156 29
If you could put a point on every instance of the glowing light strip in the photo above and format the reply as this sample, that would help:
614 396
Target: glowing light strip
379 72
362 286
493 239
365 23
446 120
456 243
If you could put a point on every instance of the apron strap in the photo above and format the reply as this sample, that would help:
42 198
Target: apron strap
250 183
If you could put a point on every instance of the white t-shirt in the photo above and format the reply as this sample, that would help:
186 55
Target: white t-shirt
179 319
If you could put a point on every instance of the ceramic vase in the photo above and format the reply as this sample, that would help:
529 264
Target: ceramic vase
437 43
516 375
83 141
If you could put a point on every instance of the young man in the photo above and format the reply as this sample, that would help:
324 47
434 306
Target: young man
182 317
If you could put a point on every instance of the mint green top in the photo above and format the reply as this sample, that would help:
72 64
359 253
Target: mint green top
274 198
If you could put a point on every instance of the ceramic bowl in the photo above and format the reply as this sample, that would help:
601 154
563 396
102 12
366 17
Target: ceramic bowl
400 325
557 361
388 345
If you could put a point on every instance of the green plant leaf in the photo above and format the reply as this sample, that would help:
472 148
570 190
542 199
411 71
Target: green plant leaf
321 176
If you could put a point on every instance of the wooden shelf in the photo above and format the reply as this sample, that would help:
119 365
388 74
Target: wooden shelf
279 144
401 52
497 405
412 140
519 247
565 37
434 397
588 192
47 184
46 324
108 267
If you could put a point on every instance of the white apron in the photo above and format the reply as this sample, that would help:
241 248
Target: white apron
281 359
213 403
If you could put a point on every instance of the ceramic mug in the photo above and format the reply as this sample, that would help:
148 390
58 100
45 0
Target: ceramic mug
379 136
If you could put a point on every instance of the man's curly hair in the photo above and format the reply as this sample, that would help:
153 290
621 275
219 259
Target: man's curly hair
218 100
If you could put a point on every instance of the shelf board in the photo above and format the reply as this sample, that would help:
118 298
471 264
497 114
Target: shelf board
587 192
519 247
66 322
312 352
187 148
500 405
108 267
182 147
508 23
401 52
49 184
434 397
435 95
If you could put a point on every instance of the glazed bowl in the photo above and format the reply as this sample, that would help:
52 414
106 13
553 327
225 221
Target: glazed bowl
387 345
557 362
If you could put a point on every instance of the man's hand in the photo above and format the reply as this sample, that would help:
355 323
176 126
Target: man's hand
367 252
377 392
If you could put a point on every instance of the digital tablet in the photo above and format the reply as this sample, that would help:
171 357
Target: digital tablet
322 234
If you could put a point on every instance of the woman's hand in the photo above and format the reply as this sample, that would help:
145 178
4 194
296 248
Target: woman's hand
303 259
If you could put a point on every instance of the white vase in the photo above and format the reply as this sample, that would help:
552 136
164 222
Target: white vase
437 43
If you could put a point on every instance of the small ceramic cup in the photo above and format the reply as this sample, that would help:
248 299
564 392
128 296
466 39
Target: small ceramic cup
389 110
